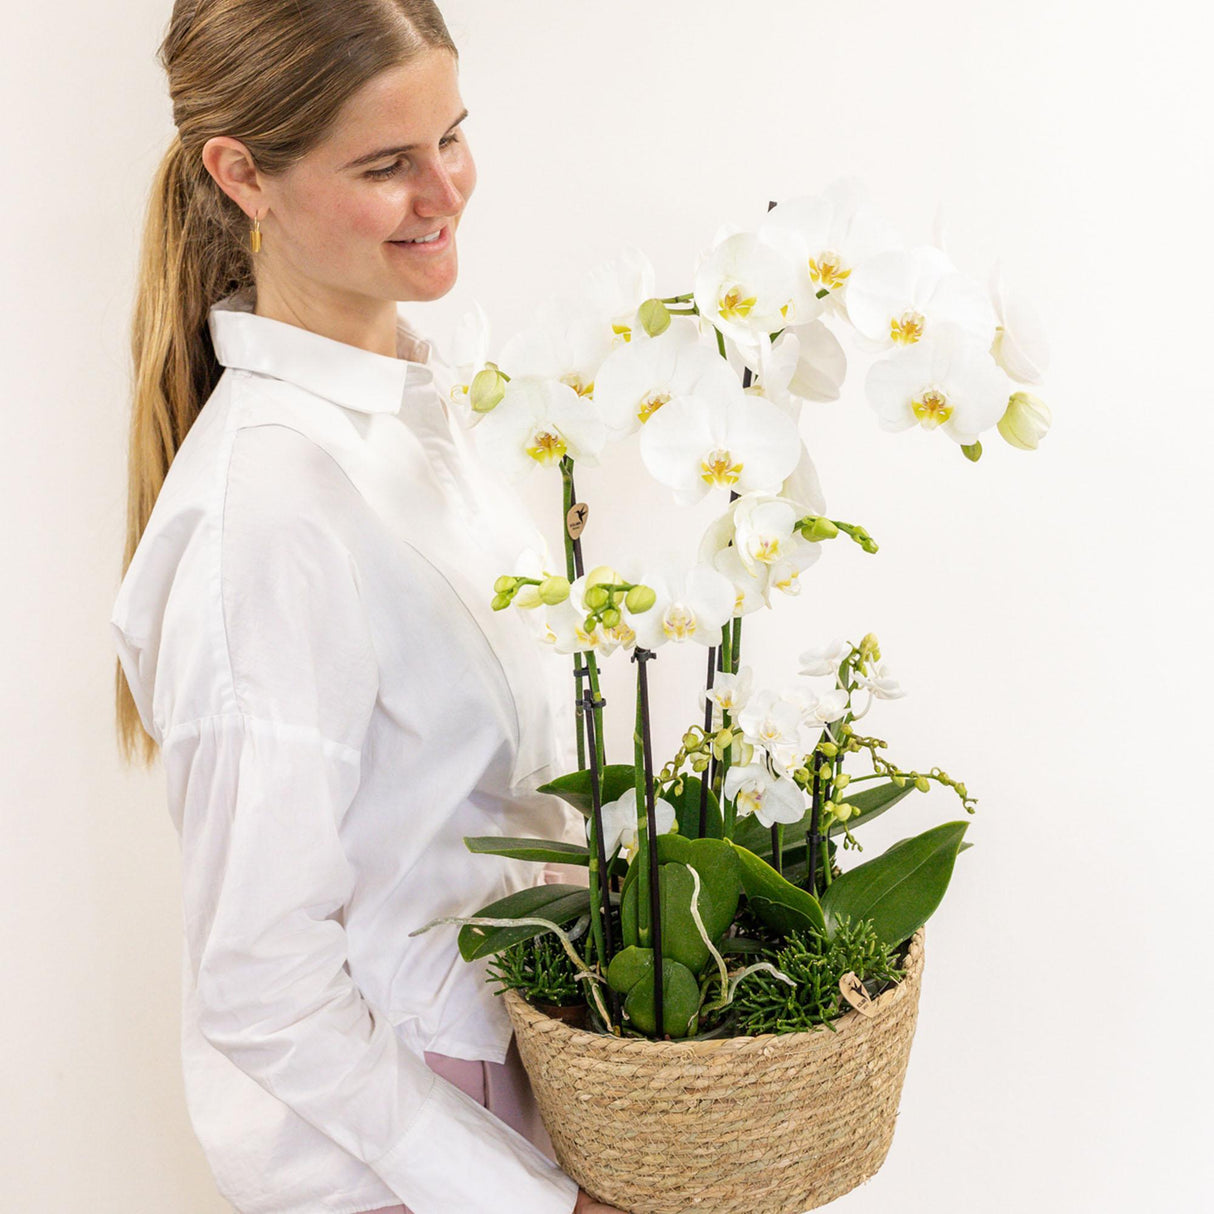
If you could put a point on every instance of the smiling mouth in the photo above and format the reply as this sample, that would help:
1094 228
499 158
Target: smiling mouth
431 241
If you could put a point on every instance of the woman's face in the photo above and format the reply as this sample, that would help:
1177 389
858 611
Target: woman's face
395 167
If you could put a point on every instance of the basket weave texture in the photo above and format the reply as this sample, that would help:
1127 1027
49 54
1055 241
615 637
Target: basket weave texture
774 1124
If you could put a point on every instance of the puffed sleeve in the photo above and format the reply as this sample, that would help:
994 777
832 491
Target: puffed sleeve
263 790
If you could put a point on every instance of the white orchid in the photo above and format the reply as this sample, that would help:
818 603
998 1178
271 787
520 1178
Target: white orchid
836 230
719 438
802 486
946 380
567 342
690 604
617 288
729 693
620 822
803 364
533 562
771 798
772 720
825 659
469 353
566 628
537 423
639 377
1020 346
898 297
880 685
748 288
756 545
828 707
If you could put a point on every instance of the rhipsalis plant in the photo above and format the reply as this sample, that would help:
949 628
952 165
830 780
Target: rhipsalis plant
749 823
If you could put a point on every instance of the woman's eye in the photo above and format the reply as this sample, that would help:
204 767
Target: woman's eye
392 169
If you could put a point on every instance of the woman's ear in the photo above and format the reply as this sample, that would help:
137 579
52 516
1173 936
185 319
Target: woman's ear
231 165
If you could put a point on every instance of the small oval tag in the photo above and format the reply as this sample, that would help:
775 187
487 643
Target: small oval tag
852 989
575 520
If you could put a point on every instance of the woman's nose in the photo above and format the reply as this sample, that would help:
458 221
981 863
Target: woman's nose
441 196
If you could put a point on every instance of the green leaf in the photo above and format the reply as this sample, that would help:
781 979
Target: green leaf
628 967
560 903
687 810
547 851
616 779
779 903
872 803
681 939
901 888
716 863
680 999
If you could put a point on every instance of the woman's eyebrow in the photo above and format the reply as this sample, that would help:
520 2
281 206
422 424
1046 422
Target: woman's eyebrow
396 151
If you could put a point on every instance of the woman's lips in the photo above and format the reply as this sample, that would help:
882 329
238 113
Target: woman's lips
433 246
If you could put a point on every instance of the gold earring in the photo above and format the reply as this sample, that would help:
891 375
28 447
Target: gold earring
255 235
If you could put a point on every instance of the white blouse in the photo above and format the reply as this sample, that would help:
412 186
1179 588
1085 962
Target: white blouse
306 630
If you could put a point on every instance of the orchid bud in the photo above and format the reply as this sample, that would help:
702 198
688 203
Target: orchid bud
601 573
488 388
504 584
842 780
589 624
818 529
611 617
829 749
528 597
870 650
554 590
639 599
972 451
922 783
500 601
654 317
596 597
844 810
699 763
1025 421
690 741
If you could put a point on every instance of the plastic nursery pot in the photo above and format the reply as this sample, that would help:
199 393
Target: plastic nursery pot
570 1013
773 1124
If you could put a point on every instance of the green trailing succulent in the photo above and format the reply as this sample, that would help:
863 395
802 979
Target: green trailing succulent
815 961
539 969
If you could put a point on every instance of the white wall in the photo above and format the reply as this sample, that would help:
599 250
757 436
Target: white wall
1047 611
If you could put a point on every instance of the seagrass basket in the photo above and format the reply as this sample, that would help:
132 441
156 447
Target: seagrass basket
775 1124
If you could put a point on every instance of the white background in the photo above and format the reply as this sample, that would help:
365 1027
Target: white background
1047 611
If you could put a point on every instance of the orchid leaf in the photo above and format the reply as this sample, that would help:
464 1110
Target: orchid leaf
900 889
548 851
560 903
779 903
614 780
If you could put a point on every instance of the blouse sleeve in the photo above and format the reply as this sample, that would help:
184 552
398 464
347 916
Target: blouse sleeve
263 790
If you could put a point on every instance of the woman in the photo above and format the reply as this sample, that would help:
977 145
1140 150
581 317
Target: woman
303 626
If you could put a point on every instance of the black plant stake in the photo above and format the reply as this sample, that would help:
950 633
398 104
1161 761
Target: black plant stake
641 656
606 944
705 777
814 818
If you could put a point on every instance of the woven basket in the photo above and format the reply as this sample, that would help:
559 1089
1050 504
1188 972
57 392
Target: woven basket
774 1124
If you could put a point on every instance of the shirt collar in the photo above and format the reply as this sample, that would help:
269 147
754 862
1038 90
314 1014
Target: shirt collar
352 377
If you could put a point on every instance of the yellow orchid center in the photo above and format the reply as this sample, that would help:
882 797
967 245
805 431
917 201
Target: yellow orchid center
678 623
789 584
767 549
718 468
546 447
458 392
738 602
827 270
907 328
575 382
733 304
622 633
931 409
624 331
750 798
651 404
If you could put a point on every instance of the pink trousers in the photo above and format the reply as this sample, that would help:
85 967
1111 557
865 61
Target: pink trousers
502 1087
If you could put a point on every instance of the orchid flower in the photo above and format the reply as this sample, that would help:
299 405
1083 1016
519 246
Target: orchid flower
836 231
947 380
567 342
825 659
748 288
617 288
729 693
638 377
896 298
620 822
722 438
771 798
469 352
1020 346
805 364
566 626
539 421
772 720
690 604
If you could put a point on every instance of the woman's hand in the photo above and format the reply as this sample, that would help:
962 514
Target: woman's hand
587 1205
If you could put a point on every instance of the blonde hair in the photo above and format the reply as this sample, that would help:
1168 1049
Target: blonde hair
274 75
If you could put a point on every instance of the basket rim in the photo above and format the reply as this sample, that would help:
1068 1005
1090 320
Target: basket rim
524 1013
